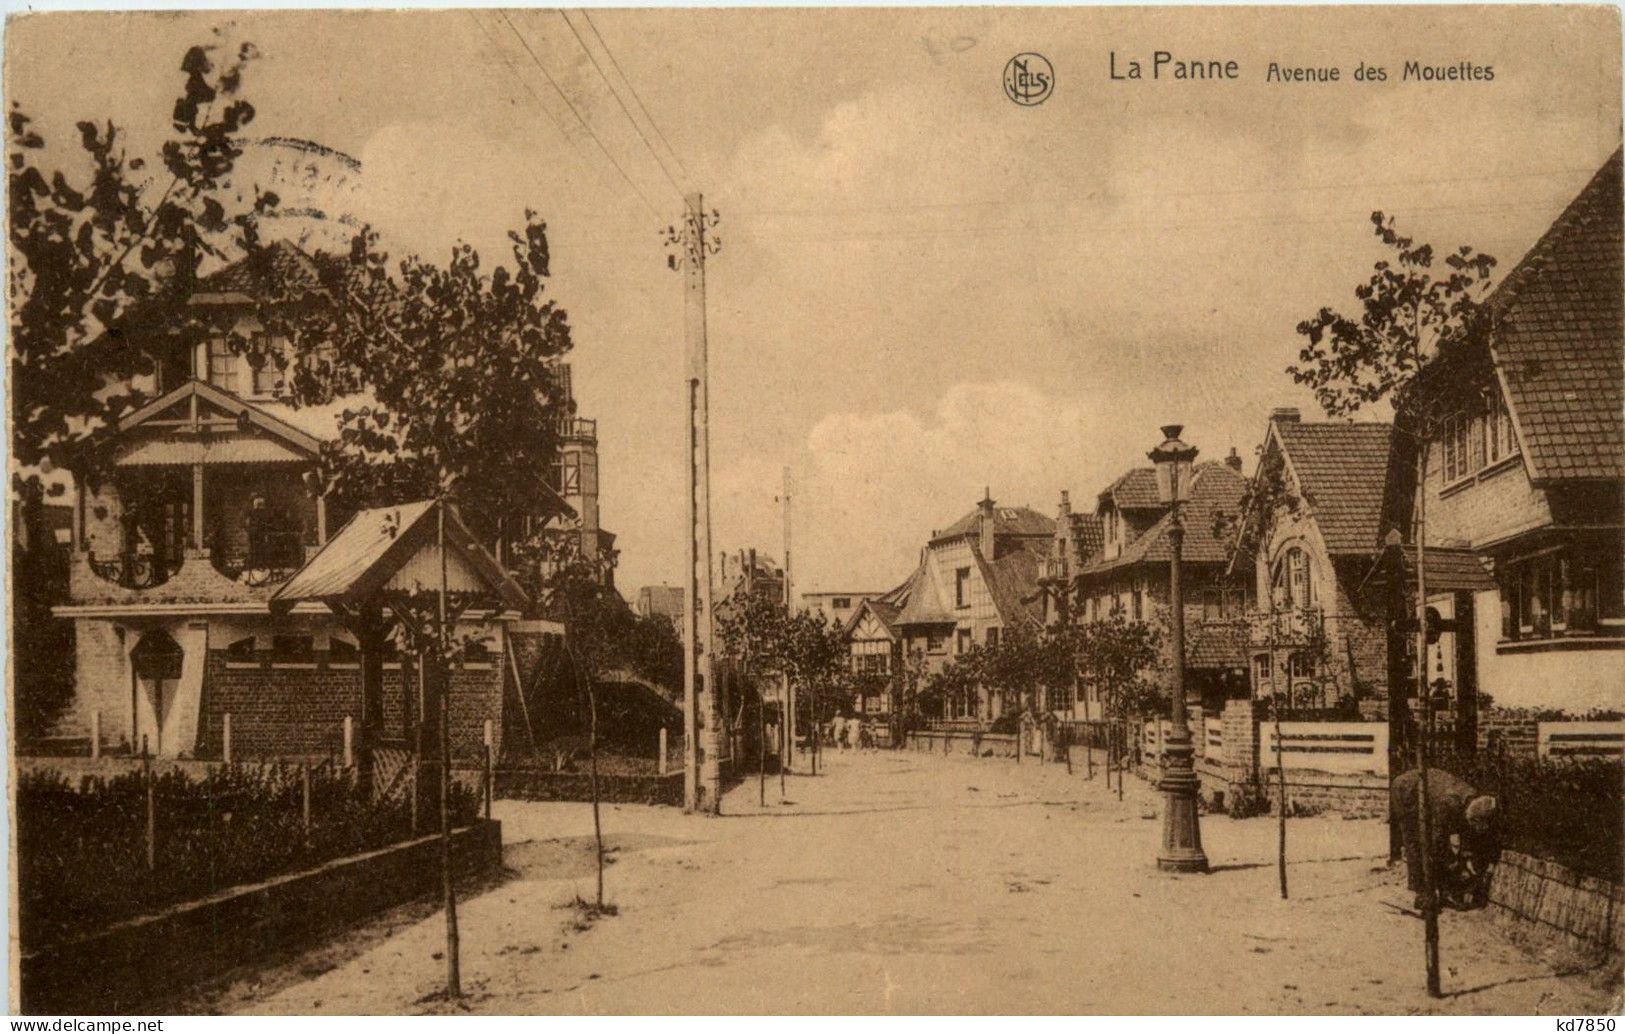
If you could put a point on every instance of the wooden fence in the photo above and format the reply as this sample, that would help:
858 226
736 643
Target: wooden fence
1347 748
1578 741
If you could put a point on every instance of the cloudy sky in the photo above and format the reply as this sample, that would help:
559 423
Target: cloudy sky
924 289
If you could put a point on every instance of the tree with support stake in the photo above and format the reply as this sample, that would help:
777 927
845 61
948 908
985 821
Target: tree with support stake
1411 314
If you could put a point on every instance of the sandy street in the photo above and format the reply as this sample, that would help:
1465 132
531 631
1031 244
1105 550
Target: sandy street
898 882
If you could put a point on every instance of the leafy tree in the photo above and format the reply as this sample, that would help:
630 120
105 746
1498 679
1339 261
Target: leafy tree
1411 315
597 623
1121 659
953 687
98 264
814 655
449 375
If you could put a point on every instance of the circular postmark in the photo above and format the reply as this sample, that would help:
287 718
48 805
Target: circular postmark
1029 79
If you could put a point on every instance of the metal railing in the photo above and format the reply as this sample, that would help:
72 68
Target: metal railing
132 569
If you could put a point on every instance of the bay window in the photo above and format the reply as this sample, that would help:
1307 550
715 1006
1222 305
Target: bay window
1561 592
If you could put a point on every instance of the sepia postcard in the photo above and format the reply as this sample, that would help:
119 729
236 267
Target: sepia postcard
816 511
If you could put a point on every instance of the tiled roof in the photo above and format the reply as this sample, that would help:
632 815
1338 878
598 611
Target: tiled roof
1088 533
1558 339
1215 487
280 260
1448 569
1217 644
885 613
924 606
1135 490
1341 470
1012 581
1007 520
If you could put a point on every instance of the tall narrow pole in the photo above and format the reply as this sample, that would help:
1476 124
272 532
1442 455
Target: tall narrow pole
1181 829
1424 726
454 980
788 720
701 775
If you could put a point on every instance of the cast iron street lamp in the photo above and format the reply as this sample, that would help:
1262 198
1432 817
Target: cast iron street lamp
1181 834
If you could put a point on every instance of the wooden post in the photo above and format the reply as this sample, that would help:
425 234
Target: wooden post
152 808
349 742
95 734
225 737
489 782
661 764
304 796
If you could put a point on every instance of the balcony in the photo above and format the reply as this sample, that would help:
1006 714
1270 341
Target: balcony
1295 626
270 557
133 569
578 427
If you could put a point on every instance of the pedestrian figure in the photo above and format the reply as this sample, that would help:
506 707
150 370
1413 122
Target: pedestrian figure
1455 810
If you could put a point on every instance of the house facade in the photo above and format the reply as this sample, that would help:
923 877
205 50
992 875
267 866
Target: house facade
1525 473
1128 575
974 579
207 509
1078 537
1317 638
875 648
837 606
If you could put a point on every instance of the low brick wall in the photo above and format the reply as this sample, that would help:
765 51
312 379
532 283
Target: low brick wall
129 964
530 784
1545 904
1001 745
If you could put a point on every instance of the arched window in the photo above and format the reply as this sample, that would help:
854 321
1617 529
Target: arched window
1292 583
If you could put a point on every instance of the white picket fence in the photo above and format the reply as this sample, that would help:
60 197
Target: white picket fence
1344 748
1579 741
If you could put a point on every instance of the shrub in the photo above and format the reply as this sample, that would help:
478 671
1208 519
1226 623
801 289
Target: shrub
1564 811
82 850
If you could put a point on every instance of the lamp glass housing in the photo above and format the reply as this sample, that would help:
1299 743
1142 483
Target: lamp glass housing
1173 459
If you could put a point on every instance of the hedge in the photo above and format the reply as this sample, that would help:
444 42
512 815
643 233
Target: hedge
82 850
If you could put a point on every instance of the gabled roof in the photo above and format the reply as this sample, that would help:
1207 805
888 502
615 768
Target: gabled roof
248 278
1136 490
1341 470
885 613
924 606
1012 582
1558 340
1214 487
1007 520
1089 534
375 544
229 403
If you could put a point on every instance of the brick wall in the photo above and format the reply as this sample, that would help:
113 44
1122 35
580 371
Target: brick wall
281 711
1515 732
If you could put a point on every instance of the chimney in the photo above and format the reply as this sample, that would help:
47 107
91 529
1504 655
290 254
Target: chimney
1066 506
1284 415
986 506
1233 461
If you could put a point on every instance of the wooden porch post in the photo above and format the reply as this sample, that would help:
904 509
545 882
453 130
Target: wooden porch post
197 506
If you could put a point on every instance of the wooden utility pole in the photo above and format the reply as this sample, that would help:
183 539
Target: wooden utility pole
454 979
702 782
787 721
1424 727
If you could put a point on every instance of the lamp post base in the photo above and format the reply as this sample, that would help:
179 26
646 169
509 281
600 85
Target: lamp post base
1181 831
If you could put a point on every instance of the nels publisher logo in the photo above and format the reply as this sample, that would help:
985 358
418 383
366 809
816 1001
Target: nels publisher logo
1029 79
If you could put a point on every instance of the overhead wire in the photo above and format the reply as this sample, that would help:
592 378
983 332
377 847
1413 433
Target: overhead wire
537 61
618 100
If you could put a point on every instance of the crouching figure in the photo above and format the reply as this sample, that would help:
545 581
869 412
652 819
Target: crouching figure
1463 831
